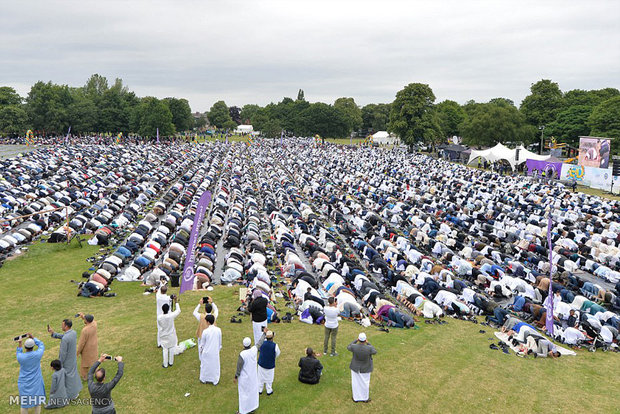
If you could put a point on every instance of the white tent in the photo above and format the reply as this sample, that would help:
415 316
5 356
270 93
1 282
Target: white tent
244 129
501 152
383 137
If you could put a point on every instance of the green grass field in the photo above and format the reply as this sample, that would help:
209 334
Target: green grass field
436 369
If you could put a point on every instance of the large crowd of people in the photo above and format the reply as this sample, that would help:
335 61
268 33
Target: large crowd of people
375 236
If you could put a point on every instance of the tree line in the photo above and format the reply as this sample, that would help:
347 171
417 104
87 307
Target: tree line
95 107
413 115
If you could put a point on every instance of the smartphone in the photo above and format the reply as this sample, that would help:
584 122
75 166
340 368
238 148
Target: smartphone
20 337
205 300
77 315
108 357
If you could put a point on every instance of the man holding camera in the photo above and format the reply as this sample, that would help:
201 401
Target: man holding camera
161 297
30 382
361 367
167 331
88 346
68 357
100 392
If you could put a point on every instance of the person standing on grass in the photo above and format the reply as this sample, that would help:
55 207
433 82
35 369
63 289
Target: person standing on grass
258 309
269 351
168 333
161 298
246 377
331 325
58 390
88 346
68 357
30 381
209 348
100 392
361 367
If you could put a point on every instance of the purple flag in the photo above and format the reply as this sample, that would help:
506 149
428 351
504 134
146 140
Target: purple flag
68 132
187 281
549 300
282 138
226 139
158 135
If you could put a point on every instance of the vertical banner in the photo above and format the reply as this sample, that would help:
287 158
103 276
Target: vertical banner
282 138
67 137
158 135
187 280
549 300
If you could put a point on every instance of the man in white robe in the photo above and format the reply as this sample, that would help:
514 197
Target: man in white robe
168 333
246 376
269 351
161 297
209 350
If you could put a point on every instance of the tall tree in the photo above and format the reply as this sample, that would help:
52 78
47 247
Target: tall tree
235 114
181 113
325 120
300 95
8 96
375 117
491 123
219 114
350 112
248 112
605 122
542 104
410 115
151 114
450 116
570 124
47 107
13 119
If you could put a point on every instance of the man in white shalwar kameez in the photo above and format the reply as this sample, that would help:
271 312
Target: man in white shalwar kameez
361 367
246 376
269 351
168 333
209 350
161 297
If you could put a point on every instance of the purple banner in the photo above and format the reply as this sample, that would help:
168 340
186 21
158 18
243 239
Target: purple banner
158 135
187 280
549 301
535 167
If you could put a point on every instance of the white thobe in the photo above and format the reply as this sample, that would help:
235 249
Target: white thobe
167 331
209 350
360 385
247 383
160 299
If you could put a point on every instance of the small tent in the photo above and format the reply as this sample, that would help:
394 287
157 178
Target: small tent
383 137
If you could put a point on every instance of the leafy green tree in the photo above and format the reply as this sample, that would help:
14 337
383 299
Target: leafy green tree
350 113
375 117
218 114
230 125
605 122
570 124
491 123
151 114
235 114
82 112
542 104
410 115
181 113
47 107
450 116
271 129
8 96
13 119
323 119
300 95
200 122
248 112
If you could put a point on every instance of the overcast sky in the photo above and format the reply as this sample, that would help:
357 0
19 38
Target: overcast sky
257 51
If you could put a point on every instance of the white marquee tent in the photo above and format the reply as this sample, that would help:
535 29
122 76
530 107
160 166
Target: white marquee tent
501 152
383 137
